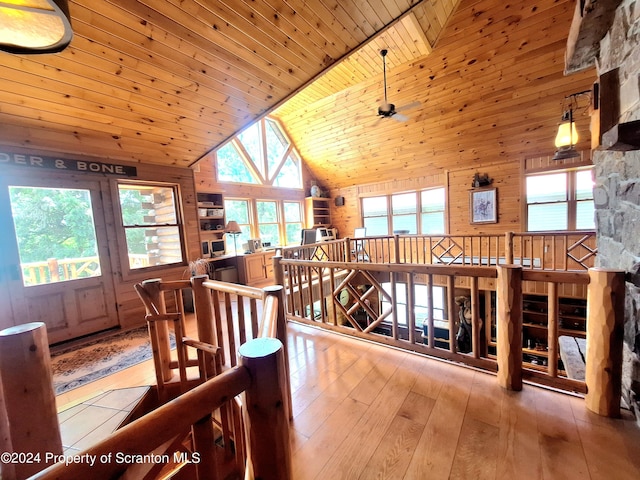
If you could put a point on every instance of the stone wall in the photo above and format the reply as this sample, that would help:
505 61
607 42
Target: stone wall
617 191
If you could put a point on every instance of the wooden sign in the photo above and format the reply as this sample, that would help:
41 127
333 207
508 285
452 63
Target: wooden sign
64 164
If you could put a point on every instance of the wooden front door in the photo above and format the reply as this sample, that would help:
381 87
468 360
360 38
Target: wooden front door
55 260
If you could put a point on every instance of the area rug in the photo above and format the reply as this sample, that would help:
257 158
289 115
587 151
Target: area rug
81 363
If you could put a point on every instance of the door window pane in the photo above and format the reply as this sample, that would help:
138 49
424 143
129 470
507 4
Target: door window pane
150 221
56 234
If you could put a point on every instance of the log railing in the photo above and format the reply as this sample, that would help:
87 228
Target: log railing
560 251
258 371
379 302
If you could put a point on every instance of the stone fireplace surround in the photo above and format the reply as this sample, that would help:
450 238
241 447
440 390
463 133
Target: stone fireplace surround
617 189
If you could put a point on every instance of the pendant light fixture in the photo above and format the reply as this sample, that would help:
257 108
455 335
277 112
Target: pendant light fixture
34 26
567 136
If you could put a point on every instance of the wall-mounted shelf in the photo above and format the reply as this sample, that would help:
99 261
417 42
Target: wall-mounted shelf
318 211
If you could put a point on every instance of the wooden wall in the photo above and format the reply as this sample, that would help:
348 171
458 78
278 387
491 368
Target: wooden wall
508 178
130 310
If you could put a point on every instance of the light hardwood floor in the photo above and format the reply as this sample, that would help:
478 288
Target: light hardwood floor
363 411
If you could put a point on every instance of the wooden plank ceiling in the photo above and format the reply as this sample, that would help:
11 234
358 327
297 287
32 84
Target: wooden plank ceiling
165 82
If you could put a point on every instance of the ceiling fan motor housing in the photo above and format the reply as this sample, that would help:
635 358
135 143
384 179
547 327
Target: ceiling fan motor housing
386 109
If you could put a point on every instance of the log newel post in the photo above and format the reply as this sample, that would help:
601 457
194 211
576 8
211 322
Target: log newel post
152 286
28 415
396 248
281 334
605 335
204 316
508 248
266 416
509 334
278 270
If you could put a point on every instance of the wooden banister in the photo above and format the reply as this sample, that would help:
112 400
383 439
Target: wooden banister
150 431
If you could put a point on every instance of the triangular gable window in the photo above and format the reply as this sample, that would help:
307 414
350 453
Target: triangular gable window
260 154
232 167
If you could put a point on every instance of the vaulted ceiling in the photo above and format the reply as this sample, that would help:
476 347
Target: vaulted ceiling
165 82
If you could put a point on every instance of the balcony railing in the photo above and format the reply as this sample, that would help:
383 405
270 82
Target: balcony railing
59 270
559 251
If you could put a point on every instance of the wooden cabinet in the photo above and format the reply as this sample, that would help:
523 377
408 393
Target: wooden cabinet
211 220
256 268
317 212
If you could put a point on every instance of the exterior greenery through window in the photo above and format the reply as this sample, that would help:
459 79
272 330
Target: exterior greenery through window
54 227
404 209
278 222
261 154
560 201
151 224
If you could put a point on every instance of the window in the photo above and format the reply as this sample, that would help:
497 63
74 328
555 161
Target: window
375 215
268 226
238 210
420 299
432 211
404 212
560 201
260 154
56 234
292 222
151 224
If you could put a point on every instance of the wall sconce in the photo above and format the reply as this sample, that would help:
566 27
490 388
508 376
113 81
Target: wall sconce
34 26
233 229
567 136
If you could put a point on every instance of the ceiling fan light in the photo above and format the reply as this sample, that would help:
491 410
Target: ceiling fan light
34 26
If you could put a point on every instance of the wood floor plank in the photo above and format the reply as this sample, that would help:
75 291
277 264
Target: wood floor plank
318 450
356 450
437 447
518 448
476 454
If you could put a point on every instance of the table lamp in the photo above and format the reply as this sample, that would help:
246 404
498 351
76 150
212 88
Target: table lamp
233 228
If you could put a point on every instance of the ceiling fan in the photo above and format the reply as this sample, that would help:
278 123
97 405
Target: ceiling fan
386 109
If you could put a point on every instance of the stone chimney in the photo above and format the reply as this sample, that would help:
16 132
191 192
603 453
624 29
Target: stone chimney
617 190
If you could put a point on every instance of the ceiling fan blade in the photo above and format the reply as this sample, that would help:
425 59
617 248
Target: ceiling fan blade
408 106
398 117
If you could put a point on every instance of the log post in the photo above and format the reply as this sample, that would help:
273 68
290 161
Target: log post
281 334
278 270
29 410
509 298
266 418
508 249
152 286
204 317
605 333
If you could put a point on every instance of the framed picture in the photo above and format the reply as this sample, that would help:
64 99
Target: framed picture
483 205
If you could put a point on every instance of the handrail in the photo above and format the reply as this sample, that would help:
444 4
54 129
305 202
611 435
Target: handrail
261 373
332 294
559 251
144 435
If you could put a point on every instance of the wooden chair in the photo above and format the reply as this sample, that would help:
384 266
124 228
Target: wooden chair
158 322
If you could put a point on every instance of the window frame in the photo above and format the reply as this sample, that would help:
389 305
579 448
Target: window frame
254 223
416 214
123 248
570 196
259 168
